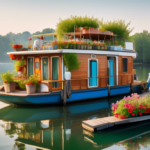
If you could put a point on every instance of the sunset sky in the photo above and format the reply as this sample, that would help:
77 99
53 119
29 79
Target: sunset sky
18 16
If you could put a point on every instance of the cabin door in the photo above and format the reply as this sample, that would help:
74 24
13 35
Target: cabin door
30 66
55 72
45 68
93 73
111 72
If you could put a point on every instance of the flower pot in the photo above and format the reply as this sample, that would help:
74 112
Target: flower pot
102 47
9 87
55 47
78 46
75 46
83 46
18 49
89 47
67 75
70 46
31 89
65 46
108 47
94 47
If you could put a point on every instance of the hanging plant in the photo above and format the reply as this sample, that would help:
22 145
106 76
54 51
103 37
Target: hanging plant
71 61
12 56
19 65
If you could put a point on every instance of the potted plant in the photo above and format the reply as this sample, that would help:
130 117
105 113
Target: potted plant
78 45
70 45
60 45
17 47
8 80
83 45
65 45
72 62
19 66
95 45
32 84
74 45
12 56
55 45
90 43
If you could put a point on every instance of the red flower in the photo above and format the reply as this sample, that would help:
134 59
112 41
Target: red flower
5 81
130 110
133 114
140 106
145 112
148 110
123 116
140 114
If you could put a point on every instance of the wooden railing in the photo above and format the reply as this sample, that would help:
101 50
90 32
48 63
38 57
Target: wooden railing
81 84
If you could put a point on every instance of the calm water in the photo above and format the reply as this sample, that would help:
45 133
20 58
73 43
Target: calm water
59 128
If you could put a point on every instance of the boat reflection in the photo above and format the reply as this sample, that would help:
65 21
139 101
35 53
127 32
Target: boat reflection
60 128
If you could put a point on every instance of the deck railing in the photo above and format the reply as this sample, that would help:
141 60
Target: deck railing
91 82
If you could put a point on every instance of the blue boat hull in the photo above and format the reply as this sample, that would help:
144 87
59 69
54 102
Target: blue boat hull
76 96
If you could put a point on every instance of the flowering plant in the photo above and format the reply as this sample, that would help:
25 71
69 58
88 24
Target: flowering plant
131 106
54 43
12 56
17 46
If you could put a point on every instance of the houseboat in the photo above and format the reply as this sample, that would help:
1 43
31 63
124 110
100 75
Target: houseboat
105 70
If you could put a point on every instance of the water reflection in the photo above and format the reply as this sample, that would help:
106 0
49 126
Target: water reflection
60 128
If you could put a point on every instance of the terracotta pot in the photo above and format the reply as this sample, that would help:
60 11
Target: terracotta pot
31 89
9 87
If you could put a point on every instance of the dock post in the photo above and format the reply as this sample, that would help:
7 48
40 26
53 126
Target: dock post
131 88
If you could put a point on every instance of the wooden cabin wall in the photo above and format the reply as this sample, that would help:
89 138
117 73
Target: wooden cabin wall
127 77
38 58
82 72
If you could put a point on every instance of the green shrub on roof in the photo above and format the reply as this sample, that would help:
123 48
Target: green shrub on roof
118 27
67 25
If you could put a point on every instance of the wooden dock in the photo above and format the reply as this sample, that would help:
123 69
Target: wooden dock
102 123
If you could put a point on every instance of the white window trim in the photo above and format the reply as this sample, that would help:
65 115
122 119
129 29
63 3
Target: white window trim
52 68
42 66
89 73
27 65
127 64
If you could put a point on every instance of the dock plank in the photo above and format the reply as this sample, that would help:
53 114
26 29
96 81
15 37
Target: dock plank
106 122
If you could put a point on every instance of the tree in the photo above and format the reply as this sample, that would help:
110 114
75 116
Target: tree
142 47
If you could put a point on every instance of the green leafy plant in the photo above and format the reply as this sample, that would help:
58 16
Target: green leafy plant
18 64
22 84
7 77
69 24
71 61
118 27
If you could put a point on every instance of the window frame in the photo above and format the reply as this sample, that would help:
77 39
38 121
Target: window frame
123 64
42 66
33 65
89 73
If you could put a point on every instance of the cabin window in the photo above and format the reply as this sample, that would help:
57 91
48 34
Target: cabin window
30 66
93 73
45 68
125 64
55 73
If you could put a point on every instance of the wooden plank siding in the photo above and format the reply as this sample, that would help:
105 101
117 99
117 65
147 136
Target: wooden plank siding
125 77
79 77
82 72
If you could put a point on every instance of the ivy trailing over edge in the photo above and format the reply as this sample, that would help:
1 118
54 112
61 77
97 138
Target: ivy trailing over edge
71 61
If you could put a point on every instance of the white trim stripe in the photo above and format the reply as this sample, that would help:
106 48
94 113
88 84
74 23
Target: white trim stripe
104 52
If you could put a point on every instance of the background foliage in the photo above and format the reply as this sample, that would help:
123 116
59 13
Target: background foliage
142 47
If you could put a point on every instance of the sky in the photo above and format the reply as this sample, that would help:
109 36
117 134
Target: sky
18 16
